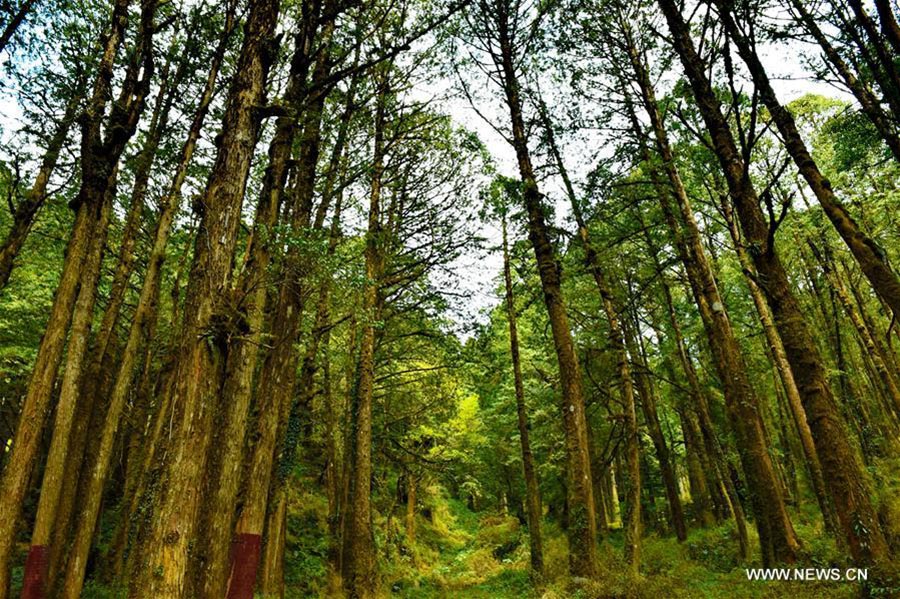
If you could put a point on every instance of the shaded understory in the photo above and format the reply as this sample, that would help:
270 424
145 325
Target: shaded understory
459 553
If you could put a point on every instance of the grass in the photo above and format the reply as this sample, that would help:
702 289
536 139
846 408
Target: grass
465 564
460 554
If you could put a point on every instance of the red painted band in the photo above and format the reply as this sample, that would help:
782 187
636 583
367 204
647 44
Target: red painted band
34 585
245 550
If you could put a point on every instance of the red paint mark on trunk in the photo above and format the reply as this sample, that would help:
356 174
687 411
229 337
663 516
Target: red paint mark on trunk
245 550
35 584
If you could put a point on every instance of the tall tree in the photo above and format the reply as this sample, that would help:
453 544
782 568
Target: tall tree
360 578
778 539
532 490
200 355
499 28
847 480
100 154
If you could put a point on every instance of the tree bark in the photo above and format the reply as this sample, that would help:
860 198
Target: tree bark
271 584
37 563
275 390
889 26
250 296
146 312
76 362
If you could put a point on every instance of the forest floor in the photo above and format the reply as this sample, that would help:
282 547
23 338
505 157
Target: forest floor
466 555
458 553
461 554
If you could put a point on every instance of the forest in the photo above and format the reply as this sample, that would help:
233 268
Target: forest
449 298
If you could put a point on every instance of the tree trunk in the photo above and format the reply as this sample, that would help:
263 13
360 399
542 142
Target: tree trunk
37 564
647 393
360 577
871 106
847 480
701 497
582 529
778 542
883 68
98 174
534 511
881 367
786 376
275 390
888 23
97 462
15 22
250 295
410 520
146 312
142 419
76 362
200 363
333 473
271 575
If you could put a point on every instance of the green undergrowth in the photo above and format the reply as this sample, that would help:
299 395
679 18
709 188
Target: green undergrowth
458 553
461 554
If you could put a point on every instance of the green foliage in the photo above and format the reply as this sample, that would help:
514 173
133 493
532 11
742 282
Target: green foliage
714 548
306 547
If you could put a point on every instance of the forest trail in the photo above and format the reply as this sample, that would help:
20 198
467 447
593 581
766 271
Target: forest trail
458 553
466 555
